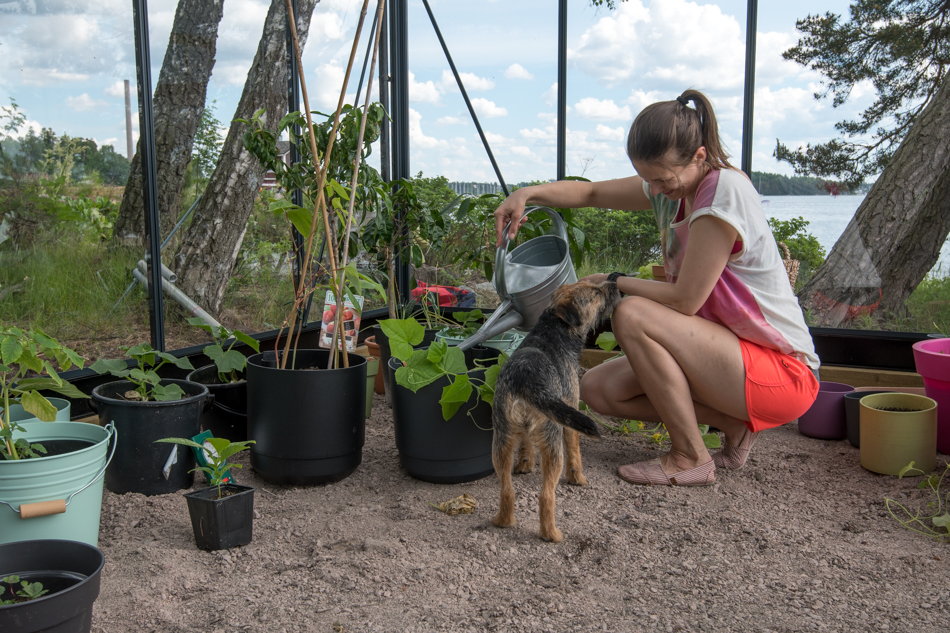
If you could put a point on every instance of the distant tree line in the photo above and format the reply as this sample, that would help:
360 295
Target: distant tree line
778 185
78 159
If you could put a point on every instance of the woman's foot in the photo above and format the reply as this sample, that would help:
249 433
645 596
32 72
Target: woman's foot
733 457
651 473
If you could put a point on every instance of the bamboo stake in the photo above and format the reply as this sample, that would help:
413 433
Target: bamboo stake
320 206
356 174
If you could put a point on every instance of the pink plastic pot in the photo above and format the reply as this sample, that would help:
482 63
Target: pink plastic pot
932 360
825 419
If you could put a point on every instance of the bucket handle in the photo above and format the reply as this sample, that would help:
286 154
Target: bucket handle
58 506
502 251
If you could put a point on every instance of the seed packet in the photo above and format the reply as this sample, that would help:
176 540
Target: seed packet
351 322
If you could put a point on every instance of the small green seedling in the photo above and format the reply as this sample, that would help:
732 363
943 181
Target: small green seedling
229 362
939 521
145 377
27 590
469 322
218 467
658 434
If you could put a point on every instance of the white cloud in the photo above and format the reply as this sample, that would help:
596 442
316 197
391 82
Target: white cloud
636 41
471 82
325 94
117 90
488 109
517 71
550 95
34 76
601 110
520 150
417 137
451 120
84 103
604 133
422 92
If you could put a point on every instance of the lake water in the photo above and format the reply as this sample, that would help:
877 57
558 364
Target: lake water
827 218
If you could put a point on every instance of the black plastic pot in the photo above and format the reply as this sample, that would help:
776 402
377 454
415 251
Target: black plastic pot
221 523
437 450
139 463
309 423
69 569
385 353
227 417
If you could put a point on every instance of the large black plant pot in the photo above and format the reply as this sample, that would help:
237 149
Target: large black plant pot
308 423
70 570
227 417
437 450
139 463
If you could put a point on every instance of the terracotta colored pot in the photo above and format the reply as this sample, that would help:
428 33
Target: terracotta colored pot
378 385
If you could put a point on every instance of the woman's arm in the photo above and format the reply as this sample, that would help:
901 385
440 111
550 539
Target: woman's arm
623 193
707 252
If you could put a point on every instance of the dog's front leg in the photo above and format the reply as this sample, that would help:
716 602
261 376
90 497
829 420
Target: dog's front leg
575 470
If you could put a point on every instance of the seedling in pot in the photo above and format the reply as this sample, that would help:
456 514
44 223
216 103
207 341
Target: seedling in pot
145 377
22 352
229 362
27 591
217 458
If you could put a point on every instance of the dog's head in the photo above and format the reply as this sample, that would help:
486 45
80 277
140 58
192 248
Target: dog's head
584 305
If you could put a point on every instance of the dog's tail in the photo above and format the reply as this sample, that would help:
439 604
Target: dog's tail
565 415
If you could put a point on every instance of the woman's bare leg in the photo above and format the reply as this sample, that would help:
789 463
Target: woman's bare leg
678 369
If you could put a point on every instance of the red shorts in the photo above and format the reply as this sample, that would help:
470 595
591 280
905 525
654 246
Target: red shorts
778 387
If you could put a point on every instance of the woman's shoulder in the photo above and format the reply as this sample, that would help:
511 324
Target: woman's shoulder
720 185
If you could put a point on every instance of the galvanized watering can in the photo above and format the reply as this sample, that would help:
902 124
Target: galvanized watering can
526 278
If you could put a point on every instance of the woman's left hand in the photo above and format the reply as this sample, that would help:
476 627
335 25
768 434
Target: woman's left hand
596 278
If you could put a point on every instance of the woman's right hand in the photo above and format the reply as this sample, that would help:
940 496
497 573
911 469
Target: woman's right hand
510 211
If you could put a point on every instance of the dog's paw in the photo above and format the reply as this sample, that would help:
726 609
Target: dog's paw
524 467
576 478
552 536
502 521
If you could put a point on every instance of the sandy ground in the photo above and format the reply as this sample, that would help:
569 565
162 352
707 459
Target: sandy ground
798 540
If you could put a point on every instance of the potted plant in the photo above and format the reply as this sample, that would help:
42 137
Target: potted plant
932 361
50 485
222 515
442 406
48 585
306 408
467 323
145 407
225 379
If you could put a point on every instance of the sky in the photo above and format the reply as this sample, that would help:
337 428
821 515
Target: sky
64 62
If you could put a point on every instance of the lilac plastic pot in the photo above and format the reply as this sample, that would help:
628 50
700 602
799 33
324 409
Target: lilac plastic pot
825 419
932 360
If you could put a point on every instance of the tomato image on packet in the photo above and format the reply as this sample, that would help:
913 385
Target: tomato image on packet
351 322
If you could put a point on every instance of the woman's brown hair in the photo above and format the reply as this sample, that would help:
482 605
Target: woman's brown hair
672 129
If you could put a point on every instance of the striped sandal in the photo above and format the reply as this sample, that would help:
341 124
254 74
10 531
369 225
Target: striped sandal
733 457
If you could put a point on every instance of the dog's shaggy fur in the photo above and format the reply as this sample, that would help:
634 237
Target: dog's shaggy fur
537 393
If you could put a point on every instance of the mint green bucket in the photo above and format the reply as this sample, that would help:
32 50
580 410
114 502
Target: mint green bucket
19 414
61 495
506 342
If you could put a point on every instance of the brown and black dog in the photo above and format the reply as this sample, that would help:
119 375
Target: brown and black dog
537 392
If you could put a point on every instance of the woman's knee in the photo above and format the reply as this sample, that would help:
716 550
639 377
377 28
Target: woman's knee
592 391
633 314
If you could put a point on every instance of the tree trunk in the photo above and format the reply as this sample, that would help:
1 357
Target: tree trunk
895 237
177 105
207 255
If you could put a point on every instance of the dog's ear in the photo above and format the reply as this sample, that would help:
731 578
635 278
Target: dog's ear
566 310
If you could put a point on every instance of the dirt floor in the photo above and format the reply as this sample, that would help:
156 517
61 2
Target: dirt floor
797 540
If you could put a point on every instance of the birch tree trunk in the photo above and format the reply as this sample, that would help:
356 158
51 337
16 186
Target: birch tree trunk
207 254
896 235
177 105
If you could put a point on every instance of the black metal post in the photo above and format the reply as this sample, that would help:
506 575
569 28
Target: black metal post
468 103
399 46
153 231
384 88
748 96
561 89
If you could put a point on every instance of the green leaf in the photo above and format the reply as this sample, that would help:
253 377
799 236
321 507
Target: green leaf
231 360
38 406
46 342
436 352
712 440
942 521
181 363
454 361
301 219
115 367
606 341
487 390
10 350
455 395
163 393
905 469
180 440
253 343
421 373
403 335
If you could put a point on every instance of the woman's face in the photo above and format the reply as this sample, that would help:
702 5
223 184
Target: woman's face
673 181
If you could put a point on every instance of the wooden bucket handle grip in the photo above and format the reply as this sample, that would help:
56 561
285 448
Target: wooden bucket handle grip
42 508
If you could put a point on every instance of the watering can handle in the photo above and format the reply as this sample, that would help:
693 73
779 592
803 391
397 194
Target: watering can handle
502 251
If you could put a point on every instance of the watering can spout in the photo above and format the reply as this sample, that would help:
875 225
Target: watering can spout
499 322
